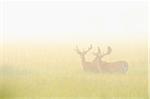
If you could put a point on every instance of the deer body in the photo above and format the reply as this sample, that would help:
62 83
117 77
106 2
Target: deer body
119 67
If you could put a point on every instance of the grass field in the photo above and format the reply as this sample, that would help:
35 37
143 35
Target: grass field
52 71
37 48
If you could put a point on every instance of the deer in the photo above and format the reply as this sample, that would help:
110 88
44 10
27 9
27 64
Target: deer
88 66
109 67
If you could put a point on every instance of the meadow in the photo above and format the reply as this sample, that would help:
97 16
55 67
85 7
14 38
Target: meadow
55 72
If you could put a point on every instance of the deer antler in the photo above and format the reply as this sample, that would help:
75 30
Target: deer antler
98 52
85 52
109 50
77 50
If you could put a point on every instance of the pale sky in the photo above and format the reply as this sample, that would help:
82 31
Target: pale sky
73 21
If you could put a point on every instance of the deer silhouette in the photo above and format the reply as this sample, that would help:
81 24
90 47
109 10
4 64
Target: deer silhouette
111 67
98 65
87 65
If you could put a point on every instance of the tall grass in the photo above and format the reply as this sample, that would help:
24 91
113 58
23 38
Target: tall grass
31 71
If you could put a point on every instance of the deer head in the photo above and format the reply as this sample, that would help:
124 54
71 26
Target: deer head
83 52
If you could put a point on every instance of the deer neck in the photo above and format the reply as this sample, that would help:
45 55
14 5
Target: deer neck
97 59
83 59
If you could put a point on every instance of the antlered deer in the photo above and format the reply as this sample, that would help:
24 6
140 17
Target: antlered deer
98 65
118 66
87 66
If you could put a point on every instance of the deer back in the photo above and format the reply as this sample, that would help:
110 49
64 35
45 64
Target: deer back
119 66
